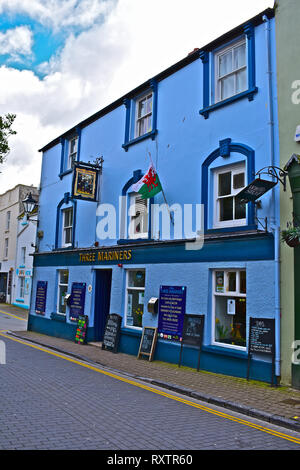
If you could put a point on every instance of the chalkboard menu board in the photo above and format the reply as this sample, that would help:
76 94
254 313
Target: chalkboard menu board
192 334
81 330
77 300
41 295
148 342
261 340
112 333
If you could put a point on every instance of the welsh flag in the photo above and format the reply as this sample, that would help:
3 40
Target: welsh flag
149 185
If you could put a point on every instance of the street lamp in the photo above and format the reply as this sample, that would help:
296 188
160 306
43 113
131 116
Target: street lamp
29 204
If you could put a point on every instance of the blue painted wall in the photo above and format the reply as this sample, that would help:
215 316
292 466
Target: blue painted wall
183 142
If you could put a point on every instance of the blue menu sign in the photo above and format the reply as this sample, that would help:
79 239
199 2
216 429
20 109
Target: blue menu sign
77 300
40 298
172 301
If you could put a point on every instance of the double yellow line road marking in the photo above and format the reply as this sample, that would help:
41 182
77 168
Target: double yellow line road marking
220 414
11 315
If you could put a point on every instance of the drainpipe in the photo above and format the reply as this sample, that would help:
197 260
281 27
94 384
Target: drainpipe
275 202
293 169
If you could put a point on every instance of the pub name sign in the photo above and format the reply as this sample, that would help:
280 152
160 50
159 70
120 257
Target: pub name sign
105 255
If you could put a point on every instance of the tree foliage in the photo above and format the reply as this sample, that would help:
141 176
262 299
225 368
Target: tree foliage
6 130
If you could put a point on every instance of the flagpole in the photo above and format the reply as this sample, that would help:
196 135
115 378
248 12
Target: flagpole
163 193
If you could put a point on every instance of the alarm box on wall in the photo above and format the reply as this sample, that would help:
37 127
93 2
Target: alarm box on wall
153 305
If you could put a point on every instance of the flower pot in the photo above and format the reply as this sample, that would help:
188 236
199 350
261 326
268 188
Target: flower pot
292 242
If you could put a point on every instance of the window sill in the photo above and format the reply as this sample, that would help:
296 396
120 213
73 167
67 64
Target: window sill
226 351
233 228
129 241
58 317
151 134
245 94
64 173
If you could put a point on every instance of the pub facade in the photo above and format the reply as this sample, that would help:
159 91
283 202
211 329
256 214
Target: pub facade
194 136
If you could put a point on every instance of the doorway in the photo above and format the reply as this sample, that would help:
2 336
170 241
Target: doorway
3 287
102 301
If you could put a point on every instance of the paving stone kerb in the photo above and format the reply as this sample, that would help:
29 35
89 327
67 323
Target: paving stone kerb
277 405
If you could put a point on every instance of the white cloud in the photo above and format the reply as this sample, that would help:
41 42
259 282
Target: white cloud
59 14
16 42
135 42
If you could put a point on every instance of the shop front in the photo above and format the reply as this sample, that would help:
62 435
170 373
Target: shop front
228 281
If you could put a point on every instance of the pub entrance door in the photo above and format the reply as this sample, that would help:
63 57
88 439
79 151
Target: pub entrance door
3 287
102 301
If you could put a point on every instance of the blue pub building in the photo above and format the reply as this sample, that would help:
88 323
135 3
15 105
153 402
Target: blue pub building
208 124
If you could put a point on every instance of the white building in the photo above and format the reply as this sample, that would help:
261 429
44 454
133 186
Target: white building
15 245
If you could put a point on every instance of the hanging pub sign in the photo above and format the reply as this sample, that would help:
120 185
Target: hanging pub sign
262 340
85 182
112 333
172 302
255 190
148 342
40 298
192 334
77 299
81 330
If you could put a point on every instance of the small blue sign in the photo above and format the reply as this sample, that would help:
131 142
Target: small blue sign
172 302
77 300
41 295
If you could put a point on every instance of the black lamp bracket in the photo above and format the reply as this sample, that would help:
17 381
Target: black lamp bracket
276 172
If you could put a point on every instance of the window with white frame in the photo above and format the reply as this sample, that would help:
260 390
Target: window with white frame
138 216
22 287
63 281
143 115
228 182
229 307
5 254
7 220
231 71
23 255
67 215
72 151
135 290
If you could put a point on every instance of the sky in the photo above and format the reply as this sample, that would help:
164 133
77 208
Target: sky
63 60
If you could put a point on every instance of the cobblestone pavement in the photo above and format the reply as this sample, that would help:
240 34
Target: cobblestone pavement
278 405
47 402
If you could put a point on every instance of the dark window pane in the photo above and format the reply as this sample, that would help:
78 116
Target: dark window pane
226 209
243 282
240 210
224 184
238 181
232 282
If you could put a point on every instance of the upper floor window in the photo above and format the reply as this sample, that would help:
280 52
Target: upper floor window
72 151
138 217
7 220
23 255
67 226
143 116
5 254
228 182
231 71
